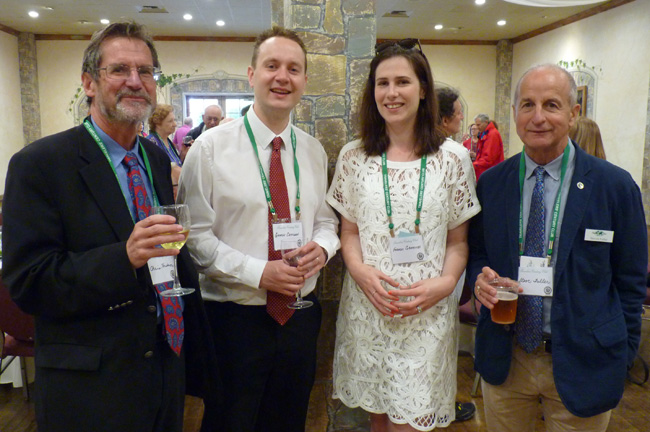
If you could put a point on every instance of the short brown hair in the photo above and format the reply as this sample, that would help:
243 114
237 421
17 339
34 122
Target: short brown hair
159 115
277 31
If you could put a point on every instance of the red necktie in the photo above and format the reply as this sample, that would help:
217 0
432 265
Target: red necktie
171 307
276 304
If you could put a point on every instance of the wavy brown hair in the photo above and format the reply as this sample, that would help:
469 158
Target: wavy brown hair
158 116
428 136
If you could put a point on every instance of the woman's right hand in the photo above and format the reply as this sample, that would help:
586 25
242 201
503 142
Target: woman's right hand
369 279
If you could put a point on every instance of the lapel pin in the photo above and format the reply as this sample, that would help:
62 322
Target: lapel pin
580 185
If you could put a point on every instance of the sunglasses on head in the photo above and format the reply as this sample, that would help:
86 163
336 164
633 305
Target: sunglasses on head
405 44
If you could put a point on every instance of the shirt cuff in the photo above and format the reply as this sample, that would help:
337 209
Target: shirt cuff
253 269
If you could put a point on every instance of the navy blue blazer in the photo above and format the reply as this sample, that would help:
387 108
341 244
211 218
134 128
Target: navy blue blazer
598 287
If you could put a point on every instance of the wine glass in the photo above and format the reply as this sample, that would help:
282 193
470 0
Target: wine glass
182 214
286 247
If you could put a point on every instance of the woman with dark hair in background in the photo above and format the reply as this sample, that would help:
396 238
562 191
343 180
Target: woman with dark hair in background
405 196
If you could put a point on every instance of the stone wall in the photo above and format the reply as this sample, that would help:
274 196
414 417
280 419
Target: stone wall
29 87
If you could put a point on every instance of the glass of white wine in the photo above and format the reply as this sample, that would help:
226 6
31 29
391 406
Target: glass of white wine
287 247
182 214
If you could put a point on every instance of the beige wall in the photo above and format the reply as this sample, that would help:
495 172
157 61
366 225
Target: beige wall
10 104
58 88
471 69
615 41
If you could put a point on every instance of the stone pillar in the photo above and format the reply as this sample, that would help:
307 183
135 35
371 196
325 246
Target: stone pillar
502 102
336 74
29 87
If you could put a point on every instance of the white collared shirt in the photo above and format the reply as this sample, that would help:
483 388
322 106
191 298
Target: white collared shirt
221 183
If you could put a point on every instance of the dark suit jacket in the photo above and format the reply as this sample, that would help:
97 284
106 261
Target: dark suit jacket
598 287
66 224
194 133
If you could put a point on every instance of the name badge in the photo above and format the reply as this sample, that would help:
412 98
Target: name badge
535 277
161 269
407 248
602 236
287 234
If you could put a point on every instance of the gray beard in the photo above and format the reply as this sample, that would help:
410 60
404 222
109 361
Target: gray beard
126 114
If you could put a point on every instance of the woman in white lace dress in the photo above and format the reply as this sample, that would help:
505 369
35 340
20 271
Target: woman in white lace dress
404 242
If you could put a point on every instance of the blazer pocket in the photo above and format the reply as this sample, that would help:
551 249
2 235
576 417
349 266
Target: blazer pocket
611 332
69 357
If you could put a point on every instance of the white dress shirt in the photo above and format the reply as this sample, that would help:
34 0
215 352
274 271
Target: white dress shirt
221 184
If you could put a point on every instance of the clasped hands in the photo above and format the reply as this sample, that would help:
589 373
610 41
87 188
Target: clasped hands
280 277
425 293
149 233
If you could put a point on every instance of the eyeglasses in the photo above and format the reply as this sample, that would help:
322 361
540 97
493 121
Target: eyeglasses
122 72
405 44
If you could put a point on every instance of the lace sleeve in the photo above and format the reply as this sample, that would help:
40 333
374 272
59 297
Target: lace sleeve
341 195
463 203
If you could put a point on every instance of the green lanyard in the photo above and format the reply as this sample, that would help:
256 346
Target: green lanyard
389 210
556 207
265 183
91 130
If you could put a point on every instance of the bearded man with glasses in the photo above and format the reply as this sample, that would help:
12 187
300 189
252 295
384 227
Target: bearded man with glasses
78 240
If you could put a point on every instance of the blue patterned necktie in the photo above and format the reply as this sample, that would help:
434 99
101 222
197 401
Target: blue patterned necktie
528 326
171 307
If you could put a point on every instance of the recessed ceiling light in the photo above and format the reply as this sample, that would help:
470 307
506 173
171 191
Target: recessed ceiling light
48 8
104 21
33 14
221 23
438 27
479 2
187 17
501 23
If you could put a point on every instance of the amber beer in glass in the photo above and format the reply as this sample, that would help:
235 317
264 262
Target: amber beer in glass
505 310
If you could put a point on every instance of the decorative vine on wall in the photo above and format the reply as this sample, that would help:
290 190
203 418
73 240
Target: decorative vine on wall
585 76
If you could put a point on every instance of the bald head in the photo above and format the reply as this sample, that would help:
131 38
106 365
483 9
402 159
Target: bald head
212 116
572 95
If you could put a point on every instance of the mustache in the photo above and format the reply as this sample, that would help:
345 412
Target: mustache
141 94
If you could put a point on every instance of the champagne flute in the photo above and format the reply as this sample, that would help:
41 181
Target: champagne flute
182 214
286 247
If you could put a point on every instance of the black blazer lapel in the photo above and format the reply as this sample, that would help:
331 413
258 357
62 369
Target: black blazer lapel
511 213
574 211
103 186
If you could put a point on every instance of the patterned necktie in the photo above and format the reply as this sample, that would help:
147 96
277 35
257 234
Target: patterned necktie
171 307
276 303
528 326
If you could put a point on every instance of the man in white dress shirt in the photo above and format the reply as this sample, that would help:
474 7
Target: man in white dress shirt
267 363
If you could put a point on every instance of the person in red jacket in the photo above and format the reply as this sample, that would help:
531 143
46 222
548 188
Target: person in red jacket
490 145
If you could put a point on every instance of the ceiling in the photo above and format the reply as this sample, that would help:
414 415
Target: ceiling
462 19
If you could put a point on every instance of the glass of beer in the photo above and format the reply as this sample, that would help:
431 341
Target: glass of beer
505 310
182 214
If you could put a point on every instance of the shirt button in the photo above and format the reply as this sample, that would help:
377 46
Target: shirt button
148 354
151 308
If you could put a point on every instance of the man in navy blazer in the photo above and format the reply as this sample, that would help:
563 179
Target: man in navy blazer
76 253
591 322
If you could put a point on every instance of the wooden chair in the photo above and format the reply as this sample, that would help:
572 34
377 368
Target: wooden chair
19 338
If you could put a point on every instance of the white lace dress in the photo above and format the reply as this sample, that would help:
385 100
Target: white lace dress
405 368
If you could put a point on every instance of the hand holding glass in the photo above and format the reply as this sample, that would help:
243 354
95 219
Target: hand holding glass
505 310
182 214
286 247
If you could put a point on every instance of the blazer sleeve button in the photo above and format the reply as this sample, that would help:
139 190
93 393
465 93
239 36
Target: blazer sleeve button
148 354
